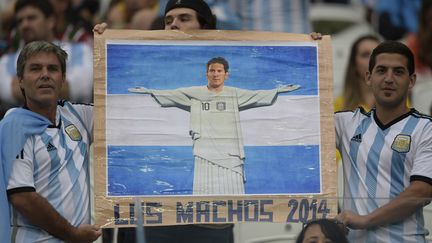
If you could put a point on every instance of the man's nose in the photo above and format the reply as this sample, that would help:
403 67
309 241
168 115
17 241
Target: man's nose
44 73
174 25
389 77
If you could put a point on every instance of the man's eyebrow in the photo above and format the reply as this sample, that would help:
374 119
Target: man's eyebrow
380 66
34 64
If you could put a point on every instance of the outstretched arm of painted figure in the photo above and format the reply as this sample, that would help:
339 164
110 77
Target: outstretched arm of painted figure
287 88
167 98
140 90
255 98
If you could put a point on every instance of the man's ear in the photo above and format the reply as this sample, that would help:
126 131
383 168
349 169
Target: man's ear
20 82
368 78
412 80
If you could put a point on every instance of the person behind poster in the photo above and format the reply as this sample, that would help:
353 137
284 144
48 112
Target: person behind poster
322 230
215 126
386 155
48 186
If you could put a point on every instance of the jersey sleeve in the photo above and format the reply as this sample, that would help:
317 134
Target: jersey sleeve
422 168
85 112
338 128
173 98
255 98
21 177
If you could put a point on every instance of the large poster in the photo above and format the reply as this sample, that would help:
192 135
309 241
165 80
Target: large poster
260 149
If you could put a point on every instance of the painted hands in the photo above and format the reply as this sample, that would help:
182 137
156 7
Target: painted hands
288 88
141 90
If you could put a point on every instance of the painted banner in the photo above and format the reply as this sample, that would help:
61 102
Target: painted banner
260 149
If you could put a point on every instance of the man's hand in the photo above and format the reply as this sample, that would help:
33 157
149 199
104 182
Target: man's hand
100 28
316 36
353 220
85 233
287 88
141 90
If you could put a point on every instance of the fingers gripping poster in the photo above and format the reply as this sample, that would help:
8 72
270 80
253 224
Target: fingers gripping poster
212 127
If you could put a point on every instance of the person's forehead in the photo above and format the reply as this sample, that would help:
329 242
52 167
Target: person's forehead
43 58
216 65
391 59
181 11
29 9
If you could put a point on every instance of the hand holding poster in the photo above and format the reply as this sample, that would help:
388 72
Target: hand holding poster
213 127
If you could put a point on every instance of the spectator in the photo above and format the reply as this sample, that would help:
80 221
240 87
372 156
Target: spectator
323 230
47 182
356 93
69 26
386 155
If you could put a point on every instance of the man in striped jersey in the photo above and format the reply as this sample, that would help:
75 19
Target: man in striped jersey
387 155
48 186
215 126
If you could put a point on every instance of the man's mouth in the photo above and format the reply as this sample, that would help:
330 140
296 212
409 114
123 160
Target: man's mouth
45 86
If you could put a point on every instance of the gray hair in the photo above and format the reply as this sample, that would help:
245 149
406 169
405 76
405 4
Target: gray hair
36 47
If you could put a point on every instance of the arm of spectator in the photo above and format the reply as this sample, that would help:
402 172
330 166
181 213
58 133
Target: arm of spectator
415 196
100 28
40 213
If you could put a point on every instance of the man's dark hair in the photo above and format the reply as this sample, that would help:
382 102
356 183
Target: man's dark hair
208 23
219 60
37 47
329 228
43 5
206 18
392 47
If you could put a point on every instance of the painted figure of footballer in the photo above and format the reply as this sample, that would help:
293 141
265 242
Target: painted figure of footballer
215 126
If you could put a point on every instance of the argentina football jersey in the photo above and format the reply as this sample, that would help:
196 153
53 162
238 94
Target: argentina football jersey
55 165
379 162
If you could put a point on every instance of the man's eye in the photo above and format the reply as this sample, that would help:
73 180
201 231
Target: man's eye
399 72
184 19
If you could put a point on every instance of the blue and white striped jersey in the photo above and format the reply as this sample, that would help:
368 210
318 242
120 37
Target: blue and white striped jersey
379 162
55 165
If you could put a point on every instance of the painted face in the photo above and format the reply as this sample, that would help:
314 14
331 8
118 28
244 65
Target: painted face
364 50
33 25
314 234
42 80
390 80
182 19
216 75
